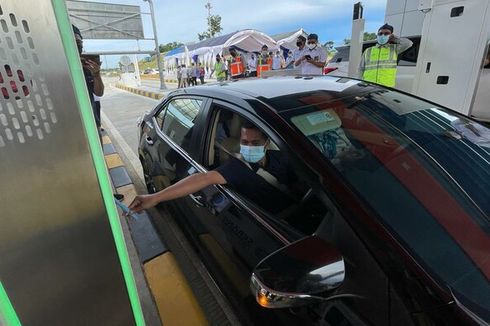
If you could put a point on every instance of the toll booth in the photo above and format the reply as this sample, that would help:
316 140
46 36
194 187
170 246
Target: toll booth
63 258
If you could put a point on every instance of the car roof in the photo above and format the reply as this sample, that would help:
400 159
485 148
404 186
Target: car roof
276 91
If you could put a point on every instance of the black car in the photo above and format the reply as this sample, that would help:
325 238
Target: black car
389 221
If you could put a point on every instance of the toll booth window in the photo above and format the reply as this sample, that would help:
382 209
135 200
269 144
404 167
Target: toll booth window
409 57
179 120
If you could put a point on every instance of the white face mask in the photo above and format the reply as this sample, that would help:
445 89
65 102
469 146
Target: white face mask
311 46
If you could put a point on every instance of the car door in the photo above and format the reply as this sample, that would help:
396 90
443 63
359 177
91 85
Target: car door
233 234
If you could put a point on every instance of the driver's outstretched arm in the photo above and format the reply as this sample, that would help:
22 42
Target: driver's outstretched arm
184 187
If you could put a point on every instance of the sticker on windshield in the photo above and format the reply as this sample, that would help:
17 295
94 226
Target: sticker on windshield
320 117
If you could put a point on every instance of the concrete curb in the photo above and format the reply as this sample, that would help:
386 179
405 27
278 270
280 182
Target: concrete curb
151 77
172 294
153 95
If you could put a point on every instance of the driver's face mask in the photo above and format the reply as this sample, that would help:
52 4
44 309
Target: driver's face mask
252 154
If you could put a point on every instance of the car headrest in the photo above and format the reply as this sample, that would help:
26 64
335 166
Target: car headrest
235 125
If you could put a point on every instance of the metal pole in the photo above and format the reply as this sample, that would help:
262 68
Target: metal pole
356 40
159 61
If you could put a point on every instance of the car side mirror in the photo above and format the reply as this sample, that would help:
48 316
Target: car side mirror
298 274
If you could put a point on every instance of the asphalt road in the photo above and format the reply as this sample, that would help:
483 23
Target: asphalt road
155 83
123 109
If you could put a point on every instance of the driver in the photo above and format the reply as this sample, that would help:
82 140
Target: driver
263 176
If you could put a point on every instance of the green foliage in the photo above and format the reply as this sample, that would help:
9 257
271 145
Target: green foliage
214 27
369 36
169 46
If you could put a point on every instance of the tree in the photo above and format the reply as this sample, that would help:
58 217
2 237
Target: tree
369 36
366 37
214 25
169 46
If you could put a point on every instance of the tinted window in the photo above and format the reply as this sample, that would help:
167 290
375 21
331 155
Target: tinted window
424 170
409 57
160 115
179 120
279 192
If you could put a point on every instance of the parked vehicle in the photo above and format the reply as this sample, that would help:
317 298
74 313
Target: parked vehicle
388 224
150 72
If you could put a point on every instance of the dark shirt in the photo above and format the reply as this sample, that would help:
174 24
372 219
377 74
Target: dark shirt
255 188
89 80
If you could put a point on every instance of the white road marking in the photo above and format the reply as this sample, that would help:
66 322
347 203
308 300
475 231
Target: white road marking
127 151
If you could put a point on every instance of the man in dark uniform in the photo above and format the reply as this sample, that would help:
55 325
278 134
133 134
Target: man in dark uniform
91 70
264 177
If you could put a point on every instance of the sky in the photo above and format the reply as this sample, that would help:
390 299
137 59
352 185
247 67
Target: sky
182 20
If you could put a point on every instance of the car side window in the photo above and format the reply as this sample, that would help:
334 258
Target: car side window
160 116
178 121
278 188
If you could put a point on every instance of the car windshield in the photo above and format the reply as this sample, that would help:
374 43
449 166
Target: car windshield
423 169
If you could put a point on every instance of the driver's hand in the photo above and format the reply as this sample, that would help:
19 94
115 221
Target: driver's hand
142 202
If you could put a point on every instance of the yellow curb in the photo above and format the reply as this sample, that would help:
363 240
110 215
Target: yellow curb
106 140
113 160
129 192
149 94
174 298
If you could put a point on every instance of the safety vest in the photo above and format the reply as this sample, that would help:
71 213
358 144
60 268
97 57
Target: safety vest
265 61
220 70
380 65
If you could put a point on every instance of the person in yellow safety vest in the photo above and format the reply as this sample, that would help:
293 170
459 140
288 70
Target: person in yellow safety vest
378 63
220 68
264 57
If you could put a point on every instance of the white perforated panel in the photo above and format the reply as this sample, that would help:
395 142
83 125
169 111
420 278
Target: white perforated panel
26 109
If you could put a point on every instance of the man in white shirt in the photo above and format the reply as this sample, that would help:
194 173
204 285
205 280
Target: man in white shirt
289 62
314 57
277 61
252 66
298 53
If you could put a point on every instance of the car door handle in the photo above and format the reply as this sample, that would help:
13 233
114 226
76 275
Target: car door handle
198 200
148 140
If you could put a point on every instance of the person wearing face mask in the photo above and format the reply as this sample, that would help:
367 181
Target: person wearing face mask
260 175
252 66
264 60
298 53
220 69
277 61
264 57
378 63
313 58
289 62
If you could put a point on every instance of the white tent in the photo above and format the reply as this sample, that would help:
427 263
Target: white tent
288 40
246 41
